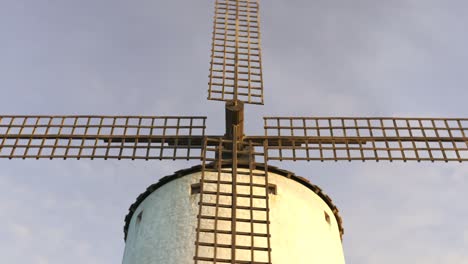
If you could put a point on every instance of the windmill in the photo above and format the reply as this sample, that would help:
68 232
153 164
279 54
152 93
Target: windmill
123 145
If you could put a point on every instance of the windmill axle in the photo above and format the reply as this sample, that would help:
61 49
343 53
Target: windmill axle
234 118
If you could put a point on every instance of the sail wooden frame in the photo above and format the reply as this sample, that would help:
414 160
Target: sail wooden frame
103 137
236 61
366 138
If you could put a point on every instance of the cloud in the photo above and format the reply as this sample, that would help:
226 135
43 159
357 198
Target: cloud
21 232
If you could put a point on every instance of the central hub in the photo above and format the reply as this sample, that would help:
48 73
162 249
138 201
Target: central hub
235 132
234 120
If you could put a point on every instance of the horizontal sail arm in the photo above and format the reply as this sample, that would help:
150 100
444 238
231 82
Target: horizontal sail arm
116 137
350 138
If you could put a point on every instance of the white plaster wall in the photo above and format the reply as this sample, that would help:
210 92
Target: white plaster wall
166 233
299 232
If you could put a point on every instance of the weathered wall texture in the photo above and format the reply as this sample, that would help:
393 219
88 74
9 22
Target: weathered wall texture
165 230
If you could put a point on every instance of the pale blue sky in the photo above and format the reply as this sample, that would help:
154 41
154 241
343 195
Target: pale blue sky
345 58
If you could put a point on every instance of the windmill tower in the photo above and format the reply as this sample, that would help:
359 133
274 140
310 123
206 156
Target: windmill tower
162 224
235 78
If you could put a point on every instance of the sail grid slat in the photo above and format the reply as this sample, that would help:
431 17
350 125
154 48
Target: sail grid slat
236 63
366 138
106 137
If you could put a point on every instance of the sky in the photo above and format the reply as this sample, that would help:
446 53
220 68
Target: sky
403 58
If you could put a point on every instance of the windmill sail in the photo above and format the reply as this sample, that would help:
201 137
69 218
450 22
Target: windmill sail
236 68
233 218
365 138
107 137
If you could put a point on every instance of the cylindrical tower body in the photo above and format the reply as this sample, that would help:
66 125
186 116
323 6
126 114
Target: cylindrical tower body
305 226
